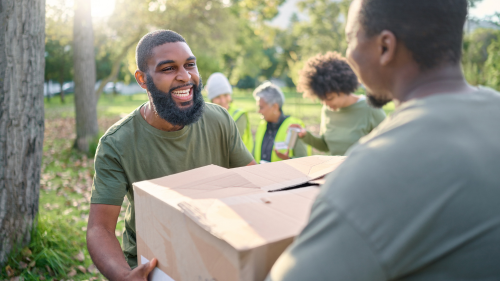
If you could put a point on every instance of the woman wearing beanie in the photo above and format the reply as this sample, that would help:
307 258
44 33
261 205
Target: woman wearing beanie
274 127
219 92
345 117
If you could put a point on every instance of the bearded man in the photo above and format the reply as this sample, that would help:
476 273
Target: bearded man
174 131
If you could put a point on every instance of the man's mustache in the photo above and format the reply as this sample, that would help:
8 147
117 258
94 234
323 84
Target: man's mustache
181 86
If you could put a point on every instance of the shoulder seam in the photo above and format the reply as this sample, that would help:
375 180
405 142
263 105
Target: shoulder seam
114 130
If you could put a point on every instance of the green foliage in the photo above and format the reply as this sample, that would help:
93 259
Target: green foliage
492 65
476 53
322 32
51 253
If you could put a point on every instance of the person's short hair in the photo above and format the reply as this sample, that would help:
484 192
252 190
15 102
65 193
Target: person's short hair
325 74
270 93
431 29
151 40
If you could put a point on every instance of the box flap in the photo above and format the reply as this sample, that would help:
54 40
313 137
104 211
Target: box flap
250 221
280 175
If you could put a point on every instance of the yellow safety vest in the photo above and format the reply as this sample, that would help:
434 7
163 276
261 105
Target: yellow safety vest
280 136
246 136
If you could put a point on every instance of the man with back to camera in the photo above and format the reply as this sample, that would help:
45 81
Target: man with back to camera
175 131
416 199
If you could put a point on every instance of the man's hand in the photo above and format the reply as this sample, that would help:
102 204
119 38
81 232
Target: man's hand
104 248
141 272
283 156
302 132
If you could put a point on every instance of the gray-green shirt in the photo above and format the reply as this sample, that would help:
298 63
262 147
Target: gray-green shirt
417 199
341 129
132 151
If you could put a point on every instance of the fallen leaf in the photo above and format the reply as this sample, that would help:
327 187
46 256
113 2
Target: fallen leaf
41 278
49 270
80 256
72 272
32 264
92 269
9 270
14 278
82 269
22 265
26 252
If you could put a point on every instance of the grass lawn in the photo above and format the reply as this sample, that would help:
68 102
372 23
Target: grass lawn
58 248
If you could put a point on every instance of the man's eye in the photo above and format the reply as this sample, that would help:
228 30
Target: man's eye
191 64
167 68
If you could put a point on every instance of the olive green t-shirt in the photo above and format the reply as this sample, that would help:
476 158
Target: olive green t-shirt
132 151
341 129
417 199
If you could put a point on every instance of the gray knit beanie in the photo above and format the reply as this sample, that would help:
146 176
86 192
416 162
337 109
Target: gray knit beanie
217 84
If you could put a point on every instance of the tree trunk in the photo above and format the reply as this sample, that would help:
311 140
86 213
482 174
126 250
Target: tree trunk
84 70
22 39
61 83
61 76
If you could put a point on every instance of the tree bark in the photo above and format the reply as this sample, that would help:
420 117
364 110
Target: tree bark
22 62
85 76
61 83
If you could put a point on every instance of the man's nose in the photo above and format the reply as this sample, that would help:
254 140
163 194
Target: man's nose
183 75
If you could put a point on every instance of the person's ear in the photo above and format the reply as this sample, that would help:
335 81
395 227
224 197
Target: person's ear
140 77
276 107
387 47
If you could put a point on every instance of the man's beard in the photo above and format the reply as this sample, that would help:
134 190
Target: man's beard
167 109
376 101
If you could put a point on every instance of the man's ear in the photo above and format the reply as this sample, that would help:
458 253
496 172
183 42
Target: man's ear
387 47
140 77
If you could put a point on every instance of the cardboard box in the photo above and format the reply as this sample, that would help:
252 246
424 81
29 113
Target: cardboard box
213 223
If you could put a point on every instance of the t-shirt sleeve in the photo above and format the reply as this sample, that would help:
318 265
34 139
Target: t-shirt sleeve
241 123
300 149
317 142
377 117
110 181
239 155
329 248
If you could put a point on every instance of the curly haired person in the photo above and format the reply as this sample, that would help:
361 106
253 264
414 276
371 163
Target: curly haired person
345 117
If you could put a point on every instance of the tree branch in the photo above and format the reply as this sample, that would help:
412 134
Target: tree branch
114 69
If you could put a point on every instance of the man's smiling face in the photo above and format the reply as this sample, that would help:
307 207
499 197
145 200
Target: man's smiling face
174 84
173 69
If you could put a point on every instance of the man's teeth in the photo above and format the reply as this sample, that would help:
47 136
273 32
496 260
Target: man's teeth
183 93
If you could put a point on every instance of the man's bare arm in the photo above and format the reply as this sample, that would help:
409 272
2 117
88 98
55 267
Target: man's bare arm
105 249
252 163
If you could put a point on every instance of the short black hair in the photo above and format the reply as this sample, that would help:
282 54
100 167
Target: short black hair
153 39
431 29
324 74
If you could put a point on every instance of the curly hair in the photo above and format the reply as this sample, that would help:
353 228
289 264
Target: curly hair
324 74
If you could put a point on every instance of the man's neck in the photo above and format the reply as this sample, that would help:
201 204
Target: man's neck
443 80
148 113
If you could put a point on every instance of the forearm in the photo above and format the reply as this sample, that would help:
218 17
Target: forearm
316 142
106 253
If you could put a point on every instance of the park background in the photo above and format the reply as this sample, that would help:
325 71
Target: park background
250 41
